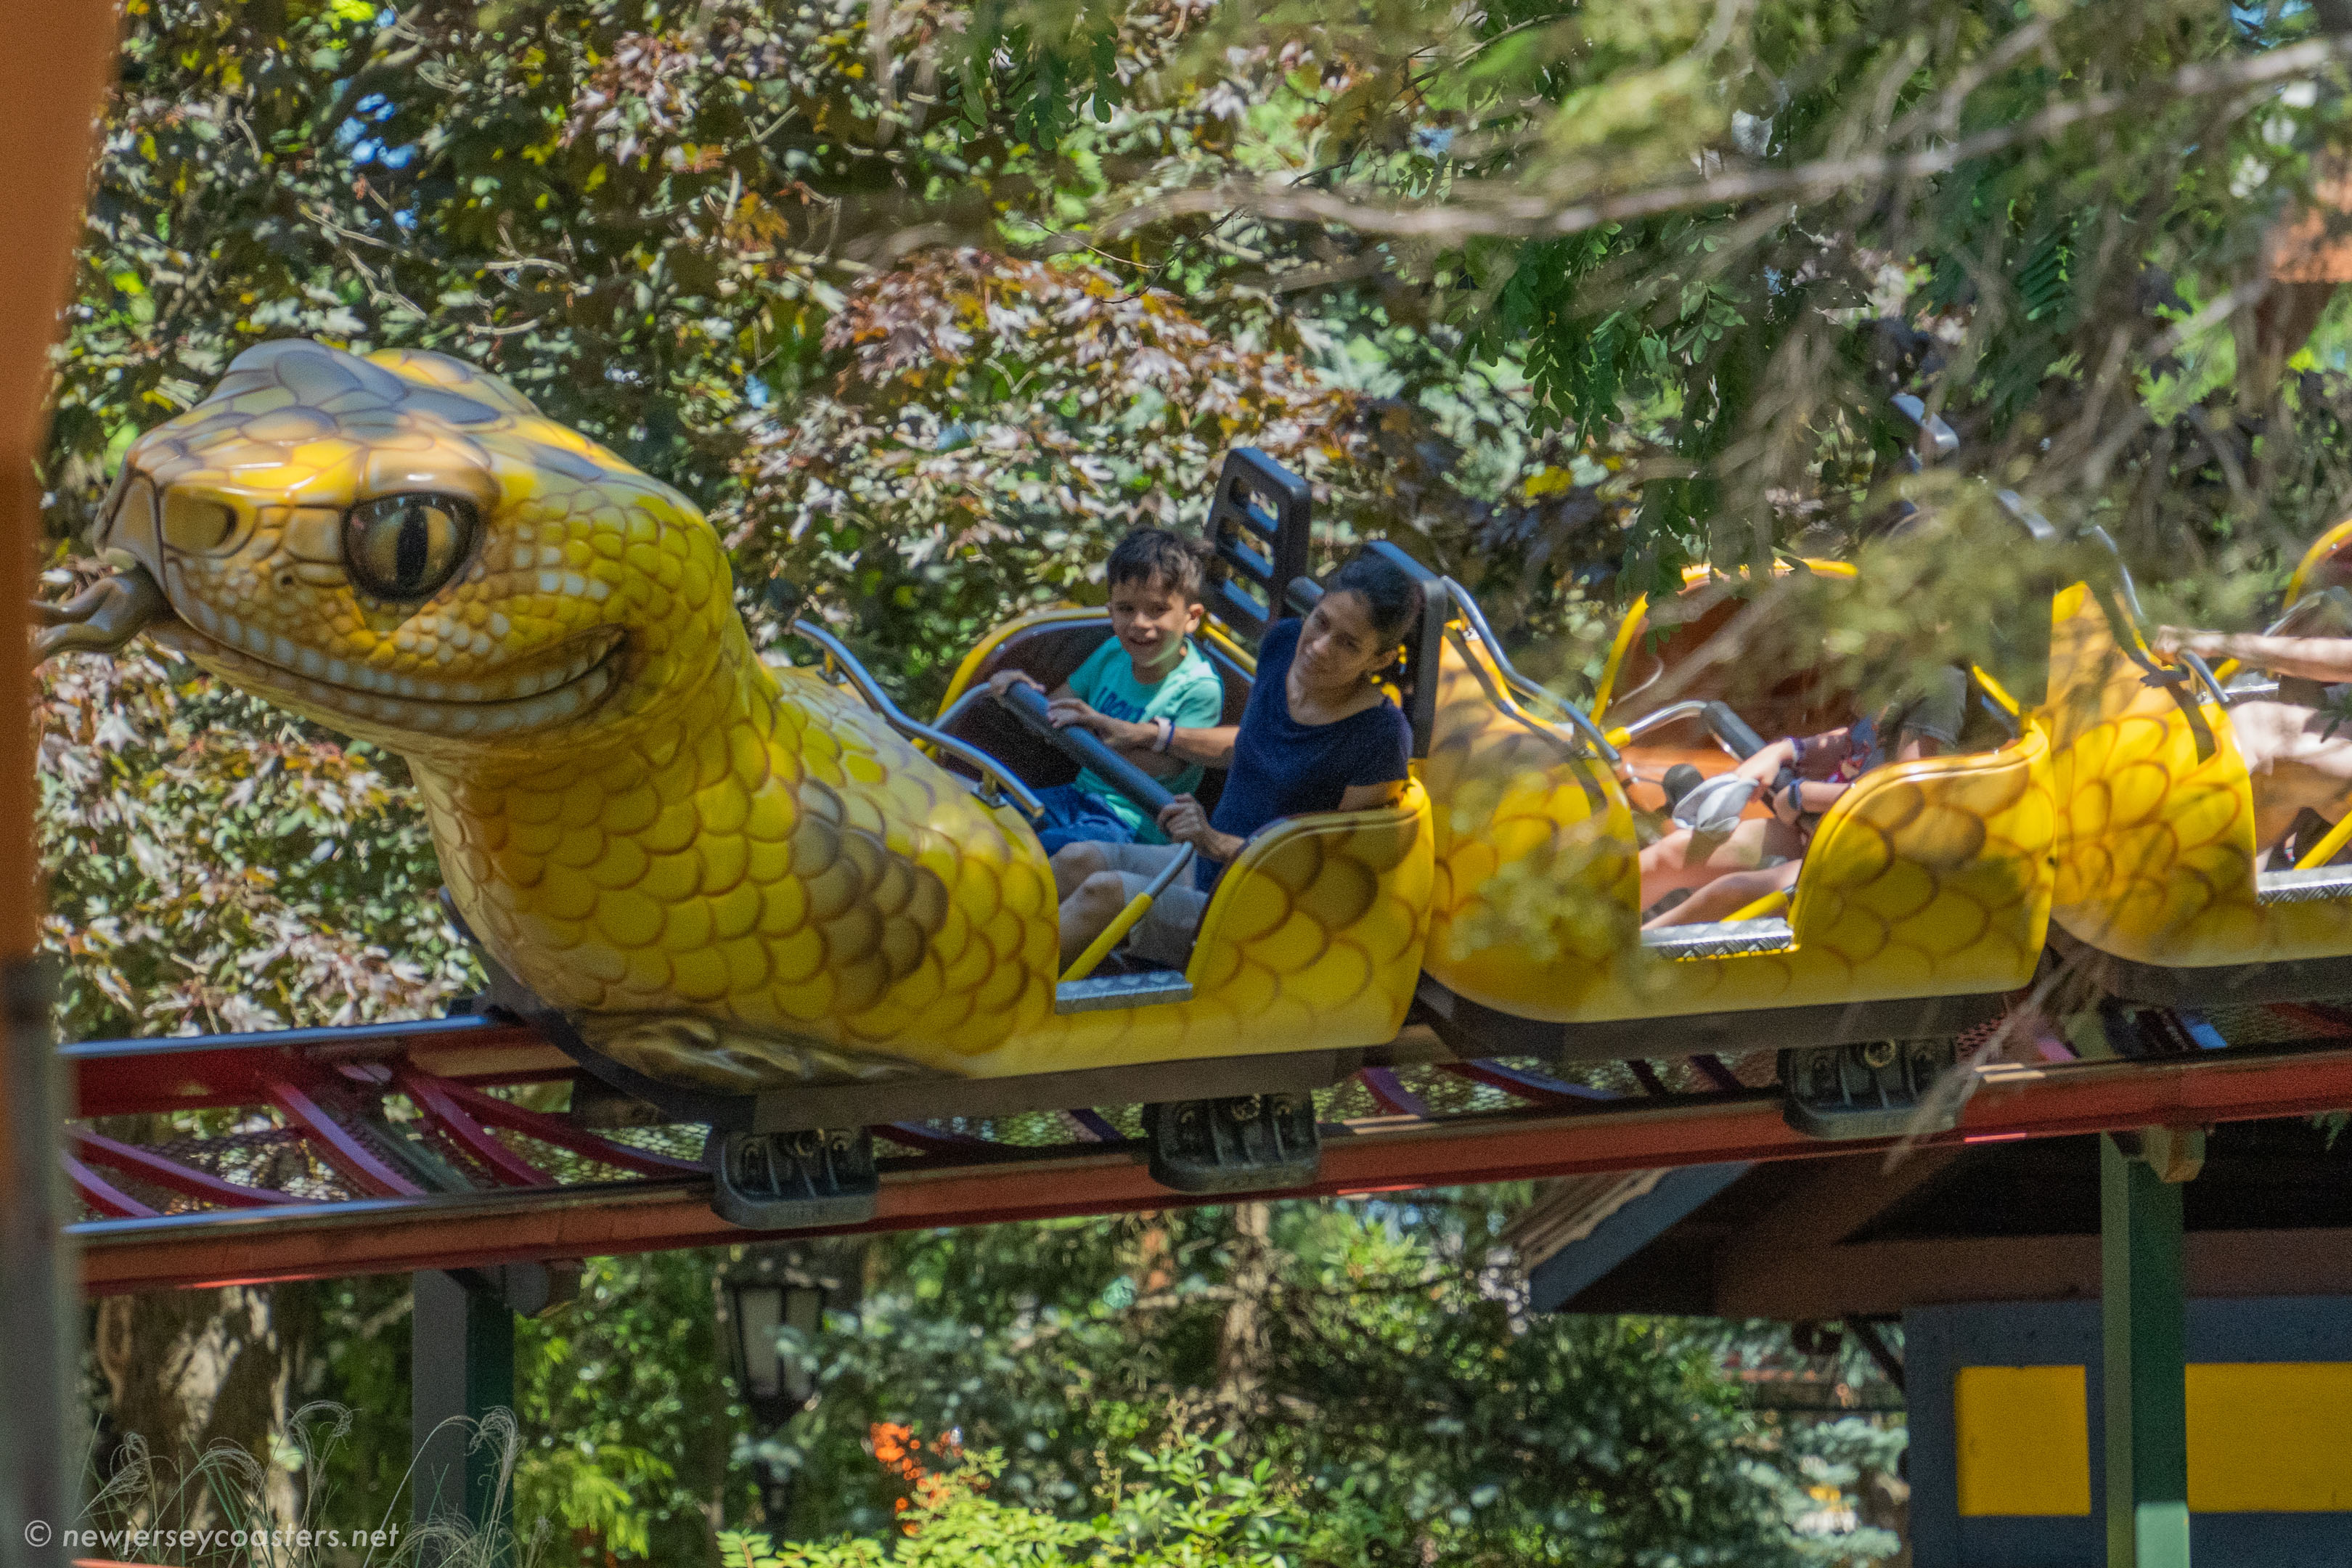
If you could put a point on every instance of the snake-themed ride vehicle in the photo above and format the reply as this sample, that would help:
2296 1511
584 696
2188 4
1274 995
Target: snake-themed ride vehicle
744 893
2172 884
1919 907
1918 904
759 897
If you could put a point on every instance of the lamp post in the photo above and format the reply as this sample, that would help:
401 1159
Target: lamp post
766 1293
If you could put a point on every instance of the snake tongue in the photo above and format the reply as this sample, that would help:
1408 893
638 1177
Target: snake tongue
102 618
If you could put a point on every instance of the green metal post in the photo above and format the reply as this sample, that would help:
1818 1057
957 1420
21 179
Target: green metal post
462 1367
2146 1363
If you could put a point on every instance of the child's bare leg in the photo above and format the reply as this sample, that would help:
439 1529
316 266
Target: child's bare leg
1074 863
1686 859
2297 758
1727 895
1087 912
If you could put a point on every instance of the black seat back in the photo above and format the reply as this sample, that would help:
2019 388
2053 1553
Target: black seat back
1261 526
1424 644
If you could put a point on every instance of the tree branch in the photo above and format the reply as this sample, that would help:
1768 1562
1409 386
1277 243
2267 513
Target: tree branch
1539 216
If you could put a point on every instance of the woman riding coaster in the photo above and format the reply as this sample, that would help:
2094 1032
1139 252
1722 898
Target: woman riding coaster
1798 778
1318 735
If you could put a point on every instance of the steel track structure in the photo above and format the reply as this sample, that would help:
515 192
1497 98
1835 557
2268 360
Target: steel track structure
458 1143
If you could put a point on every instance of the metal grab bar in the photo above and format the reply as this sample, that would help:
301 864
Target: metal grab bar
2139 618
996 783
1521 685
1087 749
1659 718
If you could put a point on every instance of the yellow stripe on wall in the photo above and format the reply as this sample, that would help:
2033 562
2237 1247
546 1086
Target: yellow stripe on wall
2263 1437
2270 1437
2024 1441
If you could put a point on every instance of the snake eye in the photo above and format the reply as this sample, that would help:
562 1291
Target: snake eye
405 547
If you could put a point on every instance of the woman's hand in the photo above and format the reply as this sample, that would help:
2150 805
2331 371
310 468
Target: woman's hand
1766 764
1184 821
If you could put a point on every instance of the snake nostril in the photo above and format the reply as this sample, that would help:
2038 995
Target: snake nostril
286 579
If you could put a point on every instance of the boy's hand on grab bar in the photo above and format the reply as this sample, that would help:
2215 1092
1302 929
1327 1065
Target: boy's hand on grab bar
1066 712
1185 821
1004 680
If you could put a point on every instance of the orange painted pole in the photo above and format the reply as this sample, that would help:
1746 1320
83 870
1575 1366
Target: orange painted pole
53 78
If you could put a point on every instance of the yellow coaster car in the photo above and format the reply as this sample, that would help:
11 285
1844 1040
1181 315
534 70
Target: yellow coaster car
1922 896
738 891
2158 864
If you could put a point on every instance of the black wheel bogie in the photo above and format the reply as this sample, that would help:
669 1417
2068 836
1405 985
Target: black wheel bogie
1245 1142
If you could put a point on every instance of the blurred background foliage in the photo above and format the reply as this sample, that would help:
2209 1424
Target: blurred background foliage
927 303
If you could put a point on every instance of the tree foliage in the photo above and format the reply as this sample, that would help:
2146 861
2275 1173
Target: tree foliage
926 302
1371 1363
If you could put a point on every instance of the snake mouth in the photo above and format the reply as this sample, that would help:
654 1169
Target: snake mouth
563 684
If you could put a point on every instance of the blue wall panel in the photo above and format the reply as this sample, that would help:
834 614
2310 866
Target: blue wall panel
1939 1341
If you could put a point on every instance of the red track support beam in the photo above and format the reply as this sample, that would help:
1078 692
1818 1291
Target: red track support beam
331 1239
337 1144
102 1195
127 1160
466 1113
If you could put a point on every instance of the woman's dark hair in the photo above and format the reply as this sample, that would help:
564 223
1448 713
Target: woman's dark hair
1389 592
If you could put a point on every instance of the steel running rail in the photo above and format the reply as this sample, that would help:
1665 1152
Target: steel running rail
386 1151
1521 685
994 776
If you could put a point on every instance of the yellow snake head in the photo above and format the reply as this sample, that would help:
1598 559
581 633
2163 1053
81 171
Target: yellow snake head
404 548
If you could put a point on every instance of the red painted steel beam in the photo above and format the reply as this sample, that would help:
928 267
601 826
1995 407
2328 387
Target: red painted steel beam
383 1236
129 1160
211 1072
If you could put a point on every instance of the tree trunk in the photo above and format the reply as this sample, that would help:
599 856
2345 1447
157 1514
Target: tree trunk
188 1371
1242 1345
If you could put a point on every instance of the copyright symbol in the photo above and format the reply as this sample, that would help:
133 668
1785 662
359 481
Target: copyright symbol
36 1534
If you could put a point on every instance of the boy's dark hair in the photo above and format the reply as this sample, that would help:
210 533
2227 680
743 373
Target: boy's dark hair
1178 561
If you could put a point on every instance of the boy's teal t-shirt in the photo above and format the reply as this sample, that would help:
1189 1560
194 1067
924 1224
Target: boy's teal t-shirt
1190 694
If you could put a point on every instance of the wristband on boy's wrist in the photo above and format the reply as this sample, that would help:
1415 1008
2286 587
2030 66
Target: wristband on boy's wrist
1167 727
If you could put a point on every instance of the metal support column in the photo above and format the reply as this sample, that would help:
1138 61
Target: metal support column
53 77
40 1443
2147 1344
461 1368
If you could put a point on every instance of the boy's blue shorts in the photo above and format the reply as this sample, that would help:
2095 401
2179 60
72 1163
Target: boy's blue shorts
1072 814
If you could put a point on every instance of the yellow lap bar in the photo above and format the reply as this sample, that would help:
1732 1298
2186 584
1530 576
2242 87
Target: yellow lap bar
1113 935
1620 737
1114 932
2325 850
1772 903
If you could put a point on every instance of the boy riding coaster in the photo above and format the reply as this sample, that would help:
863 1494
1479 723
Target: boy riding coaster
1318 735
1136 690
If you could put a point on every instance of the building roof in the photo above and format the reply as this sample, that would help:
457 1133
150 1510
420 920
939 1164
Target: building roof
1868 1235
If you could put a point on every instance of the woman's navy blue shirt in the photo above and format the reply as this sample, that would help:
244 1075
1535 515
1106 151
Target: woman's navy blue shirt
1282 767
